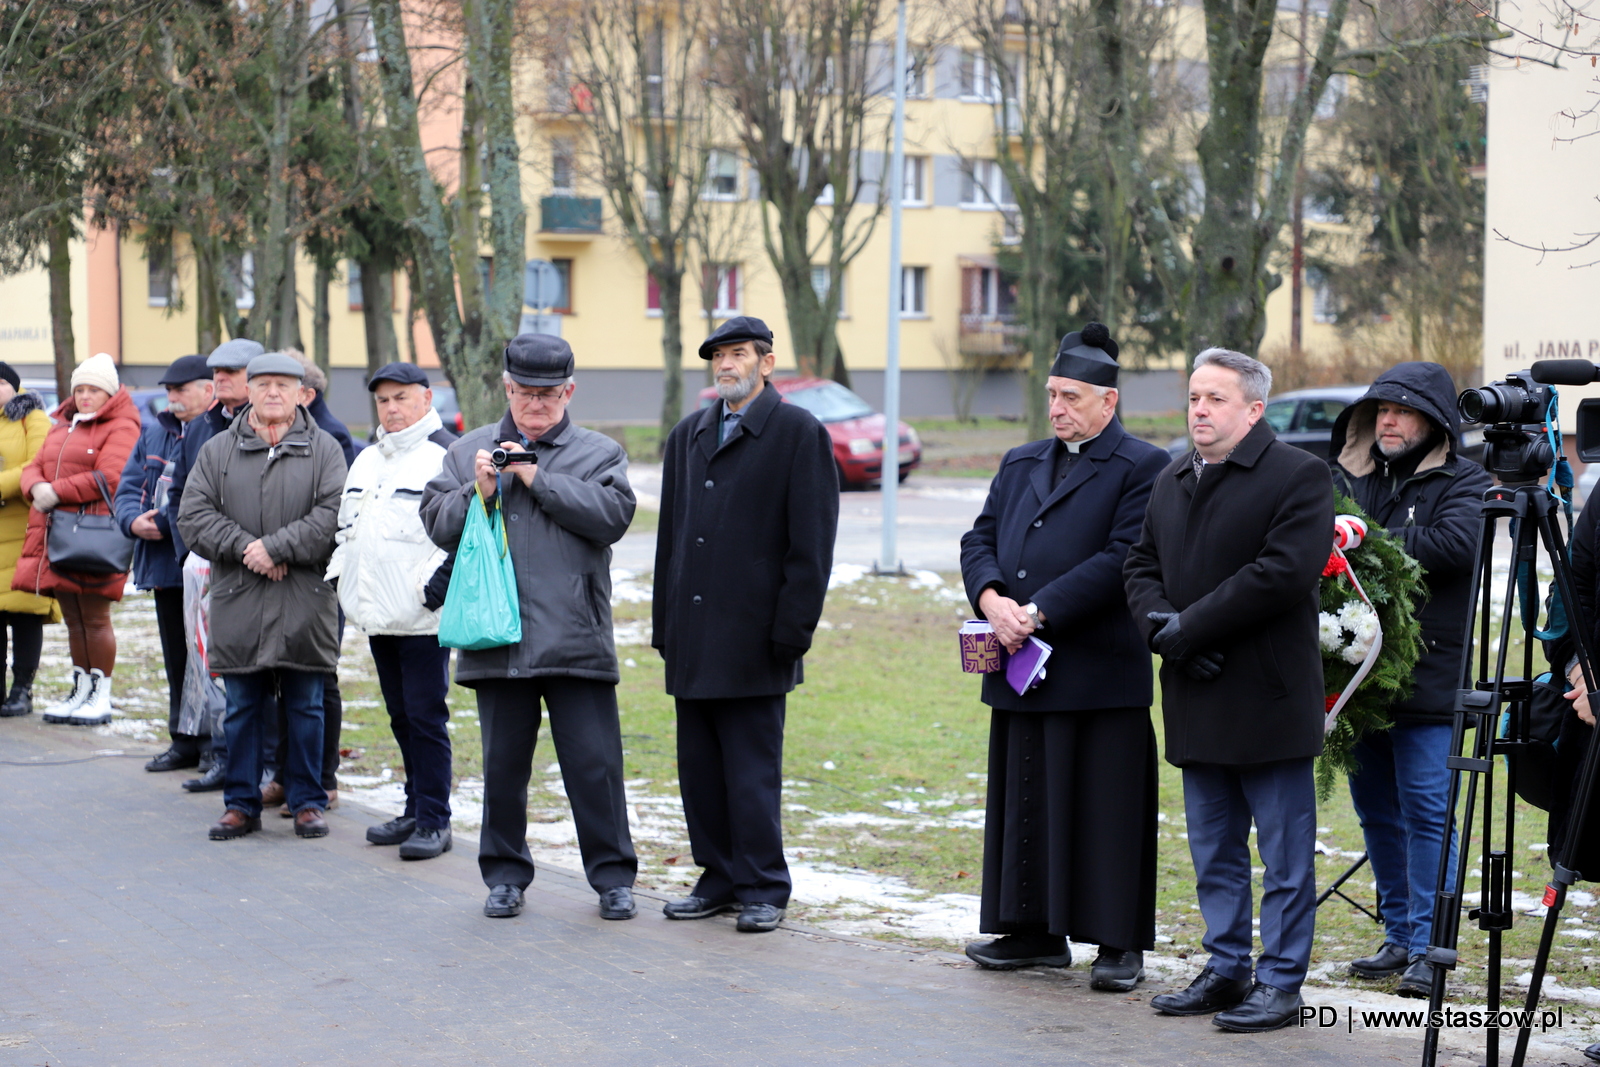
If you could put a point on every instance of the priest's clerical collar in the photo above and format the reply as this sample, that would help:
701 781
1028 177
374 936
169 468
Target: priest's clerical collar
1077 446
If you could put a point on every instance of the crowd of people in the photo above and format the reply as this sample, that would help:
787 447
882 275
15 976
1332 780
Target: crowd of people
263 533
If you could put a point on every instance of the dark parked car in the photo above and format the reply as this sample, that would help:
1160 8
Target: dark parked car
150 402
449 409
1305 418
856 429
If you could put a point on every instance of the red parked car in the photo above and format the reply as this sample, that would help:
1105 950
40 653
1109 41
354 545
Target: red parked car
856 429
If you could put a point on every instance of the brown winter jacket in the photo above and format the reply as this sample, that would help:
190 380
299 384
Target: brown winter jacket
68 461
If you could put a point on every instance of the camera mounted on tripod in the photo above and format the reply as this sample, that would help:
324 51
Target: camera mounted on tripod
1516 410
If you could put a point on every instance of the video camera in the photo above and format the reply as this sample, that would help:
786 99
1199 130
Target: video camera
1514 411
503 458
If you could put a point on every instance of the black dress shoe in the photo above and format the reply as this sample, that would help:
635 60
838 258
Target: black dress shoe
696 908
1389 959
617 903
212 780
426 843
392 832
1417 982
504 902
1021 950
18 702
1593 1052
1266 1008
1116 971
759 917
1208 993
173 760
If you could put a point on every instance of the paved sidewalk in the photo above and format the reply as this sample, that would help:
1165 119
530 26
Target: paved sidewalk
127 938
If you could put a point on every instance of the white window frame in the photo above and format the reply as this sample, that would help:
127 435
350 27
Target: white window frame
819 285
722 308
355 298
246 300
914 182
715 171
160 291
913 292
983 187
563 153
979 82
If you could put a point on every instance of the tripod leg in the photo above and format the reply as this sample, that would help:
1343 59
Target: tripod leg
1555 896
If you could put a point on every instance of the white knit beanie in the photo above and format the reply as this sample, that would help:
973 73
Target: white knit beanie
98 370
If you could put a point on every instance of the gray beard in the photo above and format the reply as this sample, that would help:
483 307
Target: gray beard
1404 447
736 392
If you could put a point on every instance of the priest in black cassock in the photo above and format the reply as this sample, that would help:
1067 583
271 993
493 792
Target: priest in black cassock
1069 848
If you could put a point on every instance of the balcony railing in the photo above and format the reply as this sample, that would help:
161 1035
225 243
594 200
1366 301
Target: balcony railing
569 214
990 336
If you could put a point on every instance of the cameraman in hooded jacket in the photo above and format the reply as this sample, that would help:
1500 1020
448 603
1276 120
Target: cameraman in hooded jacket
1395 453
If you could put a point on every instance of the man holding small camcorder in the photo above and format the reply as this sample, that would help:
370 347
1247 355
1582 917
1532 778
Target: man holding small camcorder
565 499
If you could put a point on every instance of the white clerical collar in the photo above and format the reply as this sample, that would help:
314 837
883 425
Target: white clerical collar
1077 446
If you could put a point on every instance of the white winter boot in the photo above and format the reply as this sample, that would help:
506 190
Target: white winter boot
62 710
96 709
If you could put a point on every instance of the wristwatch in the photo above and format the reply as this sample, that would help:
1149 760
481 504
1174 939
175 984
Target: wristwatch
1033 613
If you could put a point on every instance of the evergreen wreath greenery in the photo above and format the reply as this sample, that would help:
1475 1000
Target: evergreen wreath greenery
1393 581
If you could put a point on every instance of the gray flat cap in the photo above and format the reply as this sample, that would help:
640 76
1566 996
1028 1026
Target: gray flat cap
234 354
276 363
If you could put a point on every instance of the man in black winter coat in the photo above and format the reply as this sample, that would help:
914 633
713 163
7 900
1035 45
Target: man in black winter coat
1394 453
1224 581
1045 556
749 510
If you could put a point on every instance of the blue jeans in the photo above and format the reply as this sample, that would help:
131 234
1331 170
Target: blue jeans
1400 790
247 723
1220 802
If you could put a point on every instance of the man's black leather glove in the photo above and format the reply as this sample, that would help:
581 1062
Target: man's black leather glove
786 653
1204 666
1168 641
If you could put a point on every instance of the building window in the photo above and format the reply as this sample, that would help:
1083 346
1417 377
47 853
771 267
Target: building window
979 80
819 285
352 284
1324 305
913 292
162 283
723 279
917 64
242 273
564 268
652 294
984 185
563 158
985 294
722 175
914 187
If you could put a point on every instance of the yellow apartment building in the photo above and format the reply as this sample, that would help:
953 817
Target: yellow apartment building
955 216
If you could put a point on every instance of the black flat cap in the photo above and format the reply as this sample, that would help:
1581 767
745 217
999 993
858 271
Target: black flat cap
538 359
404 373
1087 356
186 369
739 328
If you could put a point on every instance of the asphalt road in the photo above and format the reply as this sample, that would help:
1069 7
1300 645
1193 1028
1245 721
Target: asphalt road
934 513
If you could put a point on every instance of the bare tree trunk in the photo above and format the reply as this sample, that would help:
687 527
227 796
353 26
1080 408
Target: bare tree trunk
207 297
60 267
320 315
670 284
377 315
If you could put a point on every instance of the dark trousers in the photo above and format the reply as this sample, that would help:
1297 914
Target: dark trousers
730 771
27 642
588 740
247 724
175 656
414 674
1220 802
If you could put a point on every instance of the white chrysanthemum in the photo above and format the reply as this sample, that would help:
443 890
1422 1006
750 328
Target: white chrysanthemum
1351 614
1329 632
1356 652
1366 630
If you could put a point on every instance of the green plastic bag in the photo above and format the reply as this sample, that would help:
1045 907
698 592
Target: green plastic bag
480 608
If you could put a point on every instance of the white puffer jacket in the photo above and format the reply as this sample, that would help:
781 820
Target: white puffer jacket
382 556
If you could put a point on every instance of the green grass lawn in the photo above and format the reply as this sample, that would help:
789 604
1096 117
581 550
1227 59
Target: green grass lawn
884 766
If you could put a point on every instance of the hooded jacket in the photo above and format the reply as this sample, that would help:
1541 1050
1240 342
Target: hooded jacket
74 451
146 482
287 495
1432 504
384 561
22 433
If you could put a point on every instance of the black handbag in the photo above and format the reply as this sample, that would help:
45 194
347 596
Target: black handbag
84 543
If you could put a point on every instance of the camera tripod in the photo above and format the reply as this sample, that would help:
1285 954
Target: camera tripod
1533 514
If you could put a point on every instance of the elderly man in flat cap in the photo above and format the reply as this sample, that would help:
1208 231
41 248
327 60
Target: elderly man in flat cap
262 504
1069 840
563 510
749 509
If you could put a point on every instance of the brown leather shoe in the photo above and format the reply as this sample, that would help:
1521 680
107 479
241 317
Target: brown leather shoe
234 823
272 794
333 802
308 822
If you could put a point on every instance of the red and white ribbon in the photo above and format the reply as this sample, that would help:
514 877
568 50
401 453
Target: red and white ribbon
1348 533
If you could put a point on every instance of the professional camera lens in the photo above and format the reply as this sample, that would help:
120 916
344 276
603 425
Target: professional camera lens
1501 402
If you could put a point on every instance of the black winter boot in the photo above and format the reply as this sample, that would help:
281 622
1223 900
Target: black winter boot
19 702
